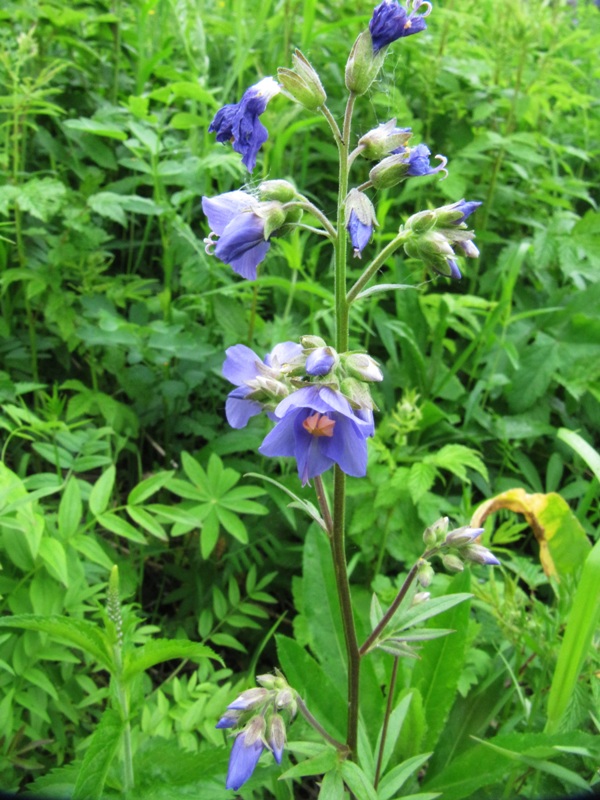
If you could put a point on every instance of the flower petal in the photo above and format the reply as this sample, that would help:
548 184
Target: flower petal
242 761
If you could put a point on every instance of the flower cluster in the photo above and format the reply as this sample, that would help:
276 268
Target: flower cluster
258 718
434 235
463 541
319 400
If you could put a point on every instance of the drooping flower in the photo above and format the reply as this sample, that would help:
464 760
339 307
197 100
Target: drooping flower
391 21
361 220
253 376
239 122
318 427
480 555
245 753
243 226
412 162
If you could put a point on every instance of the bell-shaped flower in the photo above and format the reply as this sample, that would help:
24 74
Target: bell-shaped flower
318 427
245 753
361 219
240 123
253 377
243 226
391 21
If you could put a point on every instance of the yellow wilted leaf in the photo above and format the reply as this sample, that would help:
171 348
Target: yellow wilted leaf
562 540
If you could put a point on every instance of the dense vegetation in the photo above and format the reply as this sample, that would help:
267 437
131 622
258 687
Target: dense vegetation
115 448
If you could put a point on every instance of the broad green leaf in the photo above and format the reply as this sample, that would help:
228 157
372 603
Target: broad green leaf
100 751
96 127
437 672
70 509
86 543
76 632
156 651
579 633
102 491
322 695
561 538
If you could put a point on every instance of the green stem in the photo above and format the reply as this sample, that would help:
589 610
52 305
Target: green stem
324 505
386 720
306 205
303 709
378 629
375 265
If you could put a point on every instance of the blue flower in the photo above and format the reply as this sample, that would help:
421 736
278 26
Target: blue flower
361 220
417 160
320 361
251 374
244 757
360 233
318 427
466 207
391 21
239 122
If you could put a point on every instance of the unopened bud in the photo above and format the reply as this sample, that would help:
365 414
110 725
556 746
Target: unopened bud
276 736
308 342
273 214
280 190
302 83
479 554
383 140
425 574
435 533
248 700
362 367
255 730
420 597
462 536
452 562
321 361
363 64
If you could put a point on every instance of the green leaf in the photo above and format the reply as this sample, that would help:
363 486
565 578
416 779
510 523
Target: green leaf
326 760
395 779
145 520
209 533
54 557
304 505
96 127
148 487
437 672
102 491
121 527
358 783
332 786
582 625
100 751
582 448
76 632
156 651
232 524
70 509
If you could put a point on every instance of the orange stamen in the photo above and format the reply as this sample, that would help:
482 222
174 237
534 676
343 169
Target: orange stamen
319 425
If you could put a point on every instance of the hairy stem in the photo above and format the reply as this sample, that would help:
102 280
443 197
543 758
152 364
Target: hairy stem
303 709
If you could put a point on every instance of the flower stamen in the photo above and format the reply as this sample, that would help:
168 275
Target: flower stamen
319 425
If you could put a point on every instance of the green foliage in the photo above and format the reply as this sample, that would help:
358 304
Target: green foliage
114 449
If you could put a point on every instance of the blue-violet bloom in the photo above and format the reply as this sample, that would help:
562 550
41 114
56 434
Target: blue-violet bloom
391 21
318 427
239 122
250 373
418 162
320 361
244 757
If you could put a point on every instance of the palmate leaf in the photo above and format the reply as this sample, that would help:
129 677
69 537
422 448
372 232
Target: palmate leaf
156 651
77 632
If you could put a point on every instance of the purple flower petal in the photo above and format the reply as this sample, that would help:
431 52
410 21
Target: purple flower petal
221 209
242 761
390 21
241 365
238 410
360 233
320 361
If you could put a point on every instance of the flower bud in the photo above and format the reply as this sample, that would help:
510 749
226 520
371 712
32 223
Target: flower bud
276 736
479 554
358 393
452 562
362 65
362 367
268 681
280 190
435 533
302 83
286 699
422 222
384 140
321 361
308 342
248 700
462 536
425 574
420 597
255 730
273 214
